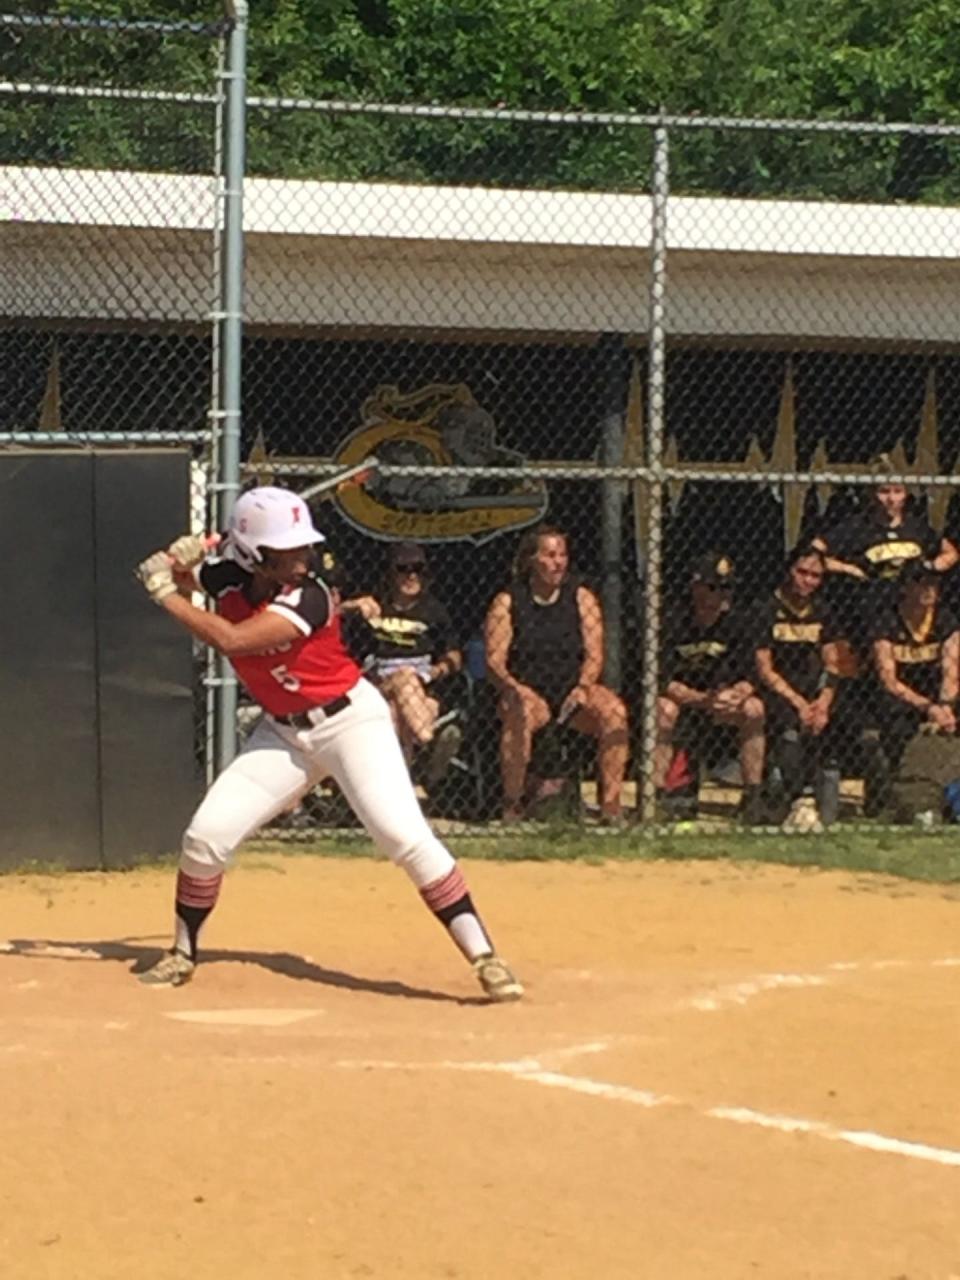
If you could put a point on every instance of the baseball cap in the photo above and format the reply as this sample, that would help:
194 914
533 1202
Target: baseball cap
884 464
406 553
713 569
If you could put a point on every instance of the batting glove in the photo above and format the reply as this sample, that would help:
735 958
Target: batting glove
188 551
156 575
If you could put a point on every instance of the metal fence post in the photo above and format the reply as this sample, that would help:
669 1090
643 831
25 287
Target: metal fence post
656 387
231 329
614 375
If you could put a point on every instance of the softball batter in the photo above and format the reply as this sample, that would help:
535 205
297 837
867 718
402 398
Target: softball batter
279 624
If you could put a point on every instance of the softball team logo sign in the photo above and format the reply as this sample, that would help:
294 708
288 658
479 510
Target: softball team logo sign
440 425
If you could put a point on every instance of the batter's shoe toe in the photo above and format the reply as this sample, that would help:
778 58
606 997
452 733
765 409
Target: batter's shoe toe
496 979
173 969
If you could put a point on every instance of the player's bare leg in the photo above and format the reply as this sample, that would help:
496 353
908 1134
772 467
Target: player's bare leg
415 714
667 715
749 718
523 712
604 717
416 710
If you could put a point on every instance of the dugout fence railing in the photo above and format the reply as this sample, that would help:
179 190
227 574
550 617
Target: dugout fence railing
667 336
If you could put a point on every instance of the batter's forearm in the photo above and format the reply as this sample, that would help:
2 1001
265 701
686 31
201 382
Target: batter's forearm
208 627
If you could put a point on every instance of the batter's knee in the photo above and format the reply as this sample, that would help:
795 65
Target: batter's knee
204 853
424 859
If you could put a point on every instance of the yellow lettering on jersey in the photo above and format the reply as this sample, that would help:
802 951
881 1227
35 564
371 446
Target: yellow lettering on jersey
909 653
702 649
798 632
885 551
392 626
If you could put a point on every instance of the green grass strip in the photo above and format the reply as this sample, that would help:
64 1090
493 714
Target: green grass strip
927 856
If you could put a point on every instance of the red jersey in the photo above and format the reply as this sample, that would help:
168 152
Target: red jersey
309 671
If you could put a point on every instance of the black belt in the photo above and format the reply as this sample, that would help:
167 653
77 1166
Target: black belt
302 719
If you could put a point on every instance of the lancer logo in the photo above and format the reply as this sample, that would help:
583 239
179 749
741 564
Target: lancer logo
440 425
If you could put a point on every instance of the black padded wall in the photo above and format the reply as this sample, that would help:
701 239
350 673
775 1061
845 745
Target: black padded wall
97 758
49 753
149 779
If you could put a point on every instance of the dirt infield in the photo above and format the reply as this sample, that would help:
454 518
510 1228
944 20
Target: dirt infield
721 1071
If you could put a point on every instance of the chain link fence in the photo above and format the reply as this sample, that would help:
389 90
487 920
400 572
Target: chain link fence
665 411
108 236
688 349
796 446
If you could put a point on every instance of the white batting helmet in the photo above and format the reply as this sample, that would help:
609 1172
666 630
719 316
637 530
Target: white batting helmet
269 517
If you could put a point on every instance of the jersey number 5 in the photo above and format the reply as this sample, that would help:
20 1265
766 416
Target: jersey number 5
284 678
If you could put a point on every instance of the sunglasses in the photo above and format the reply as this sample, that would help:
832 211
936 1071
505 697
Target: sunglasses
417 566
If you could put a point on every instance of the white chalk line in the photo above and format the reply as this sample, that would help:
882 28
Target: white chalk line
243 1017
740 993
532 1071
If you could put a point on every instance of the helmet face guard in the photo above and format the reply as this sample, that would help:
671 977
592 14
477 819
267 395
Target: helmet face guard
268 518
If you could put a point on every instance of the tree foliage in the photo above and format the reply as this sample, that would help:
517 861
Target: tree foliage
877 60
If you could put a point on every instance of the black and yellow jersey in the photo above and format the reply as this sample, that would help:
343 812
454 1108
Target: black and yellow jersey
795 635
700 657
880 549
918 653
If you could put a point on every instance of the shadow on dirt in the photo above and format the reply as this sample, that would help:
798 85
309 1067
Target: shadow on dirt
140 954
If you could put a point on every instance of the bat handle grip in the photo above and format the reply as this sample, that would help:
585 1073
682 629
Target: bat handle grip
210 540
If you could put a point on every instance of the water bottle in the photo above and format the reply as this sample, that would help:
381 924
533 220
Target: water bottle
475 656
828 794
951 801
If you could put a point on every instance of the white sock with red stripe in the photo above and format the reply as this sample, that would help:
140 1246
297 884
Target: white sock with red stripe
196 897
450 901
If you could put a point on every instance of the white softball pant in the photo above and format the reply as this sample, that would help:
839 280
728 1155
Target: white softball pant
279 764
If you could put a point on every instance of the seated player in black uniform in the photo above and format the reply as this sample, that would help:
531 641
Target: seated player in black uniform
876 543
544 649
798 651
414 651
705 679
865 556
916 654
